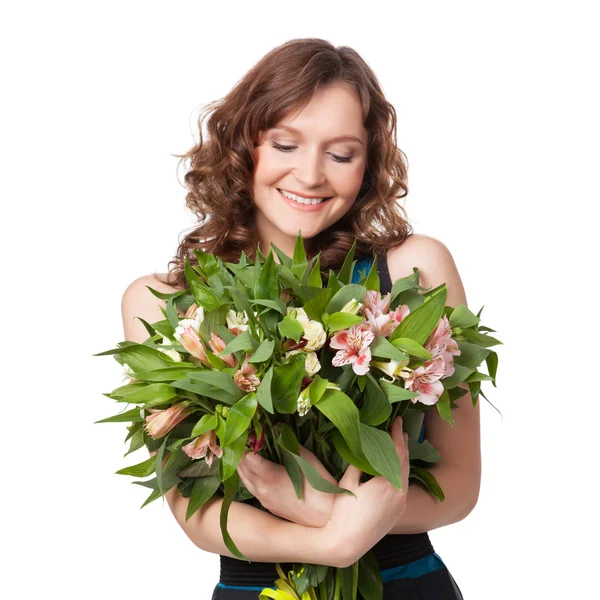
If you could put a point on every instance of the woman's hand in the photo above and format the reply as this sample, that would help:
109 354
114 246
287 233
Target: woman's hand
358 523
270 483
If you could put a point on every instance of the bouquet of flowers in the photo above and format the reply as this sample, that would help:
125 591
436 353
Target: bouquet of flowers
260 356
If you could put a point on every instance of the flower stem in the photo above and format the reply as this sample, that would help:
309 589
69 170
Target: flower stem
337 590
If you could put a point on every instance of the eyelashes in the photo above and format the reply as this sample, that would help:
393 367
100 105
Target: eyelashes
340 159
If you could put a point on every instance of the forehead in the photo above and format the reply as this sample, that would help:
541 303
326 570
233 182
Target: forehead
334 112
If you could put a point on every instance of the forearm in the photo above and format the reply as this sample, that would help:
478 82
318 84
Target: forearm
424 512
259 535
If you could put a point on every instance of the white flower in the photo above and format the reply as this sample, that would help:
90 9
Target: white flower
172 354
303 402
127 374
393 368
183 325
351 307
311 364
237 320
299 314
315 334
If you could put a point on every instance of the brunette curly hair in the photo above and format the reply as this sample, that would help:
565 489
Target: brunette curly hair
219 179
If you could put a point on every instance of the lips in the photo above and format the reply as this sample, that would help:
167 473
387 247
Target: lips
325 198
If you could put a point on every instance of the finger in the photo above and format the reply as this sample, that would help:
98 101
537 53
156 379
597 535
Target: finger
259 465
246 481
351 477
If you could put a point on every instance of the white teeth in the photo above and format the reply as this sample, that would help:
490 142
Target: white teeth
300 199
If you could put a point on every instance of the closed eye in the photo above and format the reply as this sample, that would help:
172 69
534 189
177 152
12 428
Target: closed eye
344 159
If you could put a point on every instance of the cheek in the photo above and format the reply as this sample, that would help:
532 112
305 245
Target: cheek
268 168
347 183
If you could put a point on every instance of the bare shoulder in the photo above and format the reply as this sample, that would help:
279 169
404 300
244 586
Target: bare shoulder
139 301
435 263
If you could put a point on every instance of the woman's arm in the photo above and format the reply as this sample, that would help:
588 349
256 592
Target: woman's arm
459 471
260 536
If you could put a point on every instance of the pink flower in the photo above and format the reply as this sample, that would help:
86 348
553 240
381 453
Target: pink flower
385 323
191 341
440 343
375 303
426 381
218 344
161 421
254 443
353 345
204 446
245 377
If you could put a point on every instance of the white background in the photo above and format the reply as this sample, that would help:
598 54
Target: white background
498 113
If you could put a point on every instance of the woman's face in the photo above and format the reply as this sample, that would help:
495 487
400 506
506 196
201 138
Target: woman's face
308 160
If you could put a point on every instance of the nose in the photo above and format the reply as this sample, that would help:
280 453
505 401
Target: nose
309 170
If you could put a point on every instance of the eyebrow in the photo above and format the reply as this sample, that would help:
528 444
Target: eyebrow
339 138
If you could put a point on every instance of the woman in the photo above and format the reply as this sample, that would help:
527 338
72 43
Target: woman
306 141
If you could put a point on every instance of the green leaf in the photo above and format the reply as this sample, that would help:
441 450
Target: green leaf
263 391
316 389
478 338
299 263
286 383
471 355
205 389
382 348
204 489
239 418
424 451
129 415
315 307
277 304
459 376
352 291
166 374
144 358
411 347
349 580
443 407
345 273
492 365
204 296
284 259
291 328
478 377
462 317
428 480
244 341
287 440
208 422
412 421
315 279
263 352
341 410
380 451
372 282
342 320
370 584
395 393
219 379
421 322
231 486
143 469
359 462
153 394
376 407
172 315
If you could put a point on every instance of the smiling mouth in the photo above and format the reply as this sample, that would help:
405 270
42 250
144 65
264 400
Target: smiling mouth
303 199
